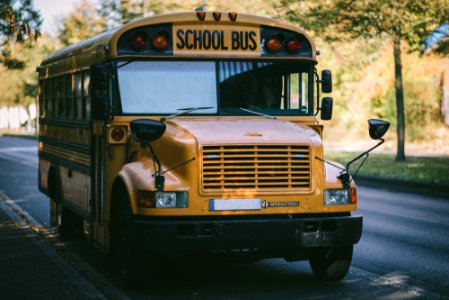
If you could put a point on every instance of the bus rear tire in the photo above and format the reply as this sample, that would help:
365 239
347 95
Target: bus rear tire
129 247
331 263
68 223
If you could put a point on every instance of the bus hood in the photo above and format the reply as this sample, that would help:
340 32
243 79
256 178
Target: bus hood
212 131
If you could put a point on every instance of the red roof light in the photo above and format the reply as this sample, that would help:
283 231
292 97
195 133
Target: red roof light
138 41
294 45
160 41
274 44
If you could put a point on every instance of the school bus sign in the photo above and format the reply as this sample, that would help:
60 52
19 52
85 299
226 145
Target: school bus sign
223 38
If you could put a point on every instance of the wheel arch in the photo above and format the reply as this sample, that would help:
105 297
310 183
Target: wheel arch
119 187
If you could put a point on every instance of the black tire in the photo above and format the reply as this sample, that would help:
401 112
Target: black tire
331 263
68 223
129 247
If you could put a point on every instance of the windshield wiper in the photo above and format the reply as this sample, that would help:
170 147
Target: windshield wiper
185 111
258 113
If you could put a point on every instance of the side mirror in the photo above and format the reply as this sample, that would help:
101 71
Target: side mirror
326 81
100 92
326 108
377 128
145 131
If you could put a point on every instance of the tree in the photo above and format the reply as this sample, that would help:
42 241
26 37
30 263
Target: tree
83 22
19 86
400 21
122 11
19 21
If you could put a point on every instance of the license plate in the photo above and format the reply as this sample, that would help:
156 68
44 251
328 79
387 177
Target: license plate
235 204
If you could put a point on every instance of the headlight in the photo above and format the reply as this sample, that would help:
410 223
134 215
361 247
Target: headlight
336 197
164 199
154 199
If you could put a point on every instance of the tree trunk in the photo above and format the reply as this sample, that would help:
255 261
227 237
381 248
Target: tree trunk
400 154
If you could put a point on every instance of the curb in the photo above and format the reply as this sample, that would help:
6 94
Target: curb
82 285
23 136
432 189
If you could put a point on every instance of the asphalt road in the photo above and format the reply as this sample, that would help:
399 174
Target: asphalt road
403 254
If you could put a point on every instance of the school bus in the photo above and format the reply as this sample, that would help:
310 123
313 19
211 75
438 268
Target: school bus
195 132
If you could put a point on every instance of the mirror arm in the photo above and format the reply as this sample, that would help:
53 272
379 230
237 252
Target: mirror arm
318 81
158 177
364 153
345 176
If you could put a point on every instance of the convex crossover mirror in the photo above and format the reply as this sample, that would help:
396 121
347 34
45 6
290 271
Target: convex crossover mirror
145 131
326 81
377 128
326 108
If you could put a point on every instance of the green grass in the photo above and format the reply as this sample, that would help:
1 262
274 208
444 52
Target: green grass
433 170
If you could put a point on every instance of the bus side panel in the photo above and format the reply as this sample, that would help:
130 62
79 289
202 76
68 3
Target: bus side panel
44 167
76 188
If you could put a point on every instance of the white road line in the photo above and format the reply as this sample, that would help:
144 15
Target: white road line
396 283
19 149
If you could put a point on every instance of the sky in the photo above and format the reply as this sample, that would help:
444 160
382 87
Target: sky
51 10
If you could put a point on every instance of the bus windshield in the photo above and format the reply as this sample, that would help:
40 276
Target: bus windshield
165 87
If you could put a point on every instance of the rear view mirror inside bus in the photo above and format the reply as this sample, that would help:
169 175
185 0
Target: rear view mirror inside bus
145 131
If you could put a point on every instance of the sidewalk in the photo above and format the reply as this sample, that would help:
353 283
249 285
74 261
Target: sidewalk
30 269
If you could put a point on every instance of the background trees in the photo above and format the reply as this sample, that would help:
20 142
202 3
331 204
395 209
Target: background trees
400 21
18 21
356 39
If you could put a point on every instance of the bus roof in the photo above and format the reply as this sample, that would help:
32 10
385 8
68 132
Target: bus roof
103 47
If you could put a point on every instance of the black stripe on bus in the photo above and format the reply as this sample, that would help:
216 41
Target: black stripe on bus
66 145
66 163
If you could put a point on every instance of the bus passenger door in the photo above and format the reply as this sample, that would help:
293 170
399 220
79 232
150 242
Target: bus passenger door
101 103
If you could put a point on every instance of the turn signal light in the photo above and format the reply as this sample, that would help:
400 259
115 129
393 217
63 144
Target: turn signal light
160 41
117 134
294 45
353 195
138 41
274 44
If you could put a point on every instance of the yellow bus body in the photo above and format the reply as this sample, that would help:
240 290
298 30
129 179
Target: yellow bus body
81 163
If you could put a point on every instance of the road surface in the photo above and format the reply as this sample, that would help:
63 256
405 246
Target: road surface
403 254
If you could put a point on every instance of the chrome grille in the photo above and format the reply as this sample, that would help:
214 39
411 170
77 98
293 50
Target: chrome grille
261 167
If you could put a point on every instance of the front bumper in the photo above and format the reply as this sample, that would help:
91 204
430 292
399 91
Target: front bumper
262 232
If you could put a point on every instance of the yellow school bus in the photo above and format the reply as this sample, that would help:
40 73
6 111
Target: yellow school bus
195 132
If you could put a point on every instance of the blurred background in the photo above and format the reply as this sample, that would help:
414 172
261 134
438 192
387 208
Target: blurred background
362 62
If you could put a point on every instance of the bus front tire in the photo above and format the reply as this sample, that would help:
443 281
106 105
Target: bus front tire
129 248
331 263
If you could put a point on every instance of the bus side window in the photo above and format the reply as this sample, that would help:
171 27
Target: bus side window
41 99
86 95
48 99
69 95
61 97
78 99
54 96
